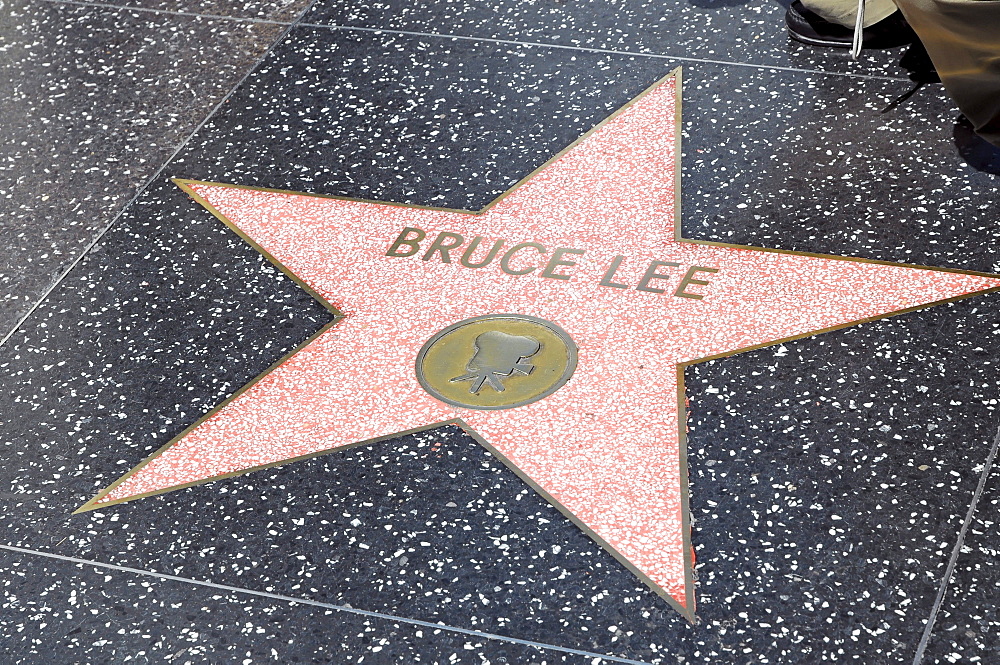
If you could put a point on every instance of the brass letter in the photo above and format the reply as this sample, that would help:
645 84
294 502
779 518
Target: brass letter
413 243
610 274
505 261
651 274
442 246
489 256
556 261
689 279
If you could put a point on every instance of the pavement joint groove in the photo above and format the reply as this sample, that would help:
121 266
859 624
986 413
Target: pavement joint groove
315 603
153 178
476 38
956 551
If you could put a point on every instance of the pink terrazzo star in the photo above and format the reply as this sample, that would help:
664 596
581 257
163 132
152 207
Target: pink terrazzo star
608 447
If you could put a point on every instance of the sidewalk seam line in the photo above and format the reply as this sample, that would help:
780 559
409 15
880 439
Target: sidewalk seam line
167 12
956 551
590 49
495 40
317 603
153 178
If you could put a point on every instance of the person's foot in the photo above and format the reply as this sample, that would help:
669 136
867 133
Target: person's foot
918 64
810 28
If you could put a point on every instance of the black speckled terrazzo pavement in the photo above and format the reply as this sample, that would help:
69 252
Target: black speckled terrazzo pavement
95 99
831 477
969 625
60 612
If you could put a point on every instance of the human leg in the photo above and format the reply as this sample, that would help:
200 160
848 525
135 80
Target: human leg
845 12
962 38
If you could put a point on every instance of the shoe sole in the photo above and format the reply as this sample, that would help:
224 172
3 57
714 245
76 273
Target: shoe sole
868 46
813 41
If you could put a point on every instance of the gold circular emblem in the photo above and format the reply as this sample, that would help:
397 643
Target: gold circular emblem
498 361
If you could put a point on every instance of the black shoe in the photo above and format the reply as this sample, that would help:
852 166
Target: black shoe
810 28
918 64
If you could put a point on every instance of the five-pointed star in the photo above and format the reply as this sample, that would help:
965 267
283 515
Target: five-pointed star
608 447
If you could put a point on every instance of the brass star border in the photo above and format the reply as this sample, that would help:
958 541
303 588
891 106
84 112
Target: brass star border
687 608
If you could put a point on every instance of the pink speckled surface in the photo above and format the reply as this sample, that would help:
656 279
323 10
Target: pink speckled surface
607 445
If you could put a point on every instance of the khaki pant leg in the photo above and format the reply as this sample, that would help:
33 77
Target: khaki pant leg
963 39
845 12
